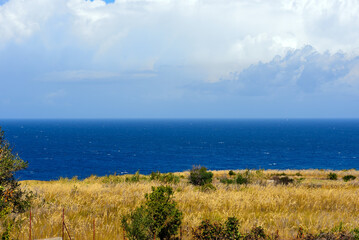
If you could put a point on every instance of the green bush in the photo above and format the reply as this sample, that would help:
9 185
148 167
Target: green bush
355 233
256 233
282 180
134 178
208 187
242 179
165 178
200 176
231 229
207 230
347 178
231 173
332 176
158 216
163 210
226 180
13 198
137 224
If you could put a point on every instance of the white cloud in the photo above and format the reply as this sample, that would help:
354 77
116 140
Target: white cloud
93 76
298 73
215 37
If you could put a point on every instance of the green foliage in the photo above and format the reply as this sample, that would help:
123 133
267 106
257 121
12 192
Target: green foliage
13 199
137 224
8 226
242 178
245 178
207 230
134 178
200 176
256 233
332 176
165 178
231 173
347 178
208 187
226 180
231 230
163 210
158 216
338 228
279 174
355 233
282 180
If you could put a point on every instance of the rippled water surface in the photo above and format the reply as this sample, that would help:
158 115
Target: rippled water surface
66 148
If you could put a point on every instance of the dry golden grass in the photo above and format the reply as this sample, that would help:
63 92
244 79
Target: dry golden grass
315 203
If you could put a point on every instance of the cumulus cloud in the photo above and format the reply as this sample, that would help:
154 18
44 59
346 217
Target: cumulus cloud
302 71
148 50
216 36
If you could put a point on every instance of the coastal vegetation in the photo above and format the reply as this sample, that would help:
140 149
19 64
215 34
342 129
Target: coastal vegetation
279 204
13 198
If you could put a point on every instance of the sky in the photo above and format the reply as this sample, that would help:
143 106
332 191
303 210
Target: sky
179 59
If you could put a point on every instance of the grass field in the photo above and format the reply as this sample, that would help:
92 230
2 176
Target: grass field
312 202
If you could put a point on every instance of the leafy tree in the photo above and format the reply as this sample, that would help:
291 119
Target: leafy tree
200 176
13 199
158 216
332 176
347 178
164 212
137 224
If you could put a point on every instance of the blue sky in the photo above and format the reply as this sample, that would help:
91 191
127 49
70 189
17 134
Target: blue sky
179 59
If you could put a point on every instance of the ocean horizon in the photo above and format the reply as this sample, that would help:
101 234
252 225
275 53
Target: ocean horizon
57 148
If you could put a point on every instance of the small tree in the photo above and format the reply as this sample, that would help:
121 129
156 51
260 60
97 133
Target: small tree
163 210
158 216
332 176
13 199
200 176
137 224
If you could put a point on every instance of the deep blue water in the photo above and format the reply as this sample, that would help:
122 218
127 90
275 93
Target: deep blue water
67 148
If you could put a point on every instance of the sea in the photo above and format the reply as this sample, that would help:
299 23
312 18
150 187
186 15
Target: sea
81 148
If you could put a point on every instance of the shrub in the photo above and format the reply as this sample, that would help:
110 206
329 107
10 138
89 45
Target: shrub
158 216
207 230
332 176
208 187
155 175
165 178
137 224
163 210
282 180
231 230
355 233
134 178
255 234
13 199
200 176
241 179
231 173
226 180
347 178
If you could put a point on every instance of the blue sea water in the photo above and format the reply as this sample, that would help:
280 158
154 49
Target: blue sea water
67 148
